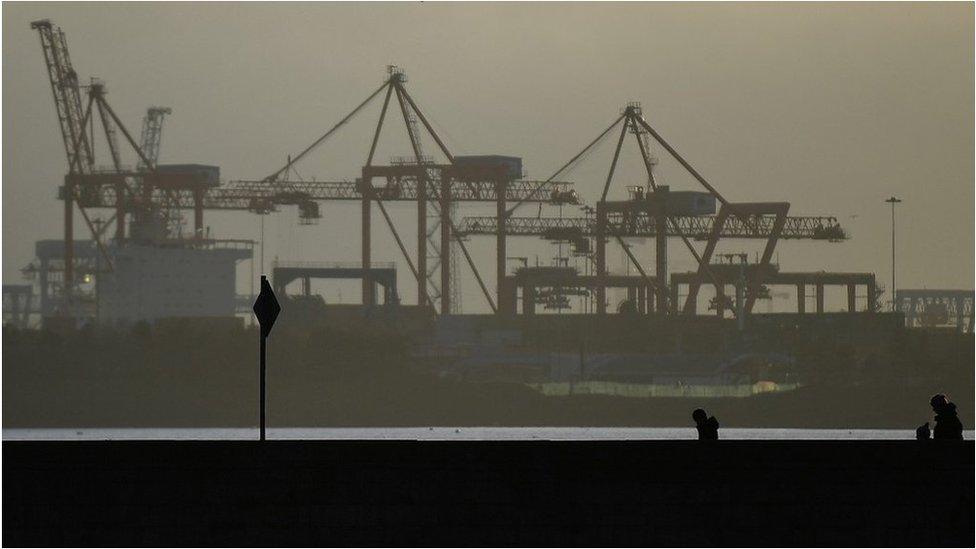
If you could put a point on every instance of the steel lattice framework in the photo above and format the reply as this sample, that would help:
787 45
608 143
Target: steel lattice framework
649 213
67 96
643 225
99 191
77 132
150 196
152 133
145 192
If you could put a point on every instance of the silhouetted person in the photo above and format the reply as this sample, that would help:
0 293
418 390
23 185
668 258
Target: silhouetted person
923 432
707 426
947 424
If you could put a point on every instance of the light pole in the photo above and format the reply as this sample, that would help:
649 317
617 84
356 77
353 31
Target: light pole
893 200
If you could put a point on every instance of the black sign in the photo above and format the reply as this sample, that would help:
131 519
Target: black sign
266 307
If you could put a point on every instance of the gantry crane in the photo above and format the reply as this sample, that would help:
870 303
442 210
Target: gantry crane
655 212
155 199
434 187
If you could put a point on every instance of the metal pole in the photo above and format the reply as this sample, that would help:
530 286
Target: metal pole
367 239
263 371
501 244
119 214
99 224
422 298
252 275
613 164
893 200
740 315
601 258
69 246
369 293
445 244
98 287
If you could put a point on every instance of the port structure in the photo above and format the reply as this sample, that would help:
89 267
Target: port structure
434 187
152 133
725 274
656 211
154 198
285 272
533 282
151 195
930 308
17 304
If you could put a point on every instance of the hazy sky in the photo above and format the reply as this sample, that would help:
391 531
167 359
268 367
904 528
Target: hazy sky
832 107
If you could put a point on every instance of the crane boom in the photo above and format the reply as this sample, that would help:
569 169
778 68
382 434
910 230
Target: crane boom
152 134
67 96
98 191
697 227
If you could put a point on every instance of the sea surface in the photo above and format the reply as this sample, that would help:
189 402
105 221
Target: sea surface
459 433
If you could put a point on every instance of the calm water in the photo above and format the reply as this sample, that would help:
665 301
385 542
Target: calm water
461 433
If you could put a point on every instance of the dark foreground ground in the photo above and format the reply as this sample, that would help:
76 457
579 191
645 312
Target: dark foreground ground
844 493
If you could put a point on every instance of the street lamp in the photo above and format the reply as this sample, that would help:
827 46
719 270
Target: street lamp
893 200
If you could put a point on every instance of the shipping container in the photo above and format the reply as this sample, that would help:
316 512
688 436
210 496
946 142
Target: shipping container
511 164
691 203
210 175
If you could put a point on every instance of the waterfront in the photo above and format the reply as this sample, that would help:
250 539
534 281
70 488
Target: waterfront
460 434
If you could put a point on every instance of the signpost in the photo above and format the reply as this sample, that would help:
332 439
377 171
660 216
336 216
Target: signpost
266 309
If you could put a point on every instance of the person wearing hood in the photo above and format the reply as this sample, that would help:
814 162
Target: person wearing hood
947 424
707 426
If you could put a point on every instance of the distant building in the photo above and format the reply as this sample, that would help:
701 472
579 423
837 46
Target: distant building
150 283
190 278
